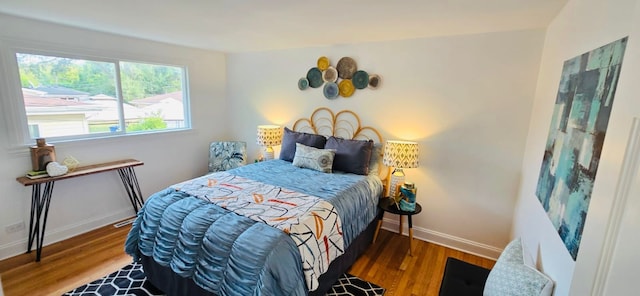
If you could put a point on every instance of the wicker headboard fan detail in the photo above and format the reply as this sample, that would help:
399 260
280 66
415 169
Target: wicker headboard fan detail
344 124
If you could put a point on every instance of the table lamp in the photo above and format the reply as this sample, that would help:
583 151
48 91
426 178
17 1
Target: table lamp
269 136
399 155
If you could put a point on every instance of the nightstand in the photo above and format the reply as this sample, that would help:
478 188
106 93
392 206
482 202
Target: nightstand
387 205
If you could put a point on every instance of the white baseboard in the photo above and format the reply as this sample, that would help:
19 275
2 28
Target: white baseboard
62 233
443 239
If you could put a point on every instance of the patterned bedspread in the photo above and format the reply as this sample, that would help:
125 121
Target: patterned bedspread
239 233
312 223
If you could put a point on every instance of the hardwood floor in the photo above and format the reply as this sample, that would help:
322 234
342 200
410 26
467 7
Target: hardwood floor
387 263
82 259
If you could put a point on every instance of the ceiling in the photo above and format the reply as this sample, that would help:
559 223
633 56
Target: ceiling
258 25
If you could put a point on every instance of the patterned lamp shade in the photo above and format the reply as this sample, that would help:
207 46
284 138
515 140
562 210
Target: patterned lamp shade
269 135
400 154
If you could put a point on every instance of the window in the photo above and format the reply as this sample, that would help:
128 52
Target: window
73 98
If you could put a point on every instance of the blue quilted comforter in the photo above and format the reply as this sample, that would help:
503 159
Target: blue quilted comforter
229 254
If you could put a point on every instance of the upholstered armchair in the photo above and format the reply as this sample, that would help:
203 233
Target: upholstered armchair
227 155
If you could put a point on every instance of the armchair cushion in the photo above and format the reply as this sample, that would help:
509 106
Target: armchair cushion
227 155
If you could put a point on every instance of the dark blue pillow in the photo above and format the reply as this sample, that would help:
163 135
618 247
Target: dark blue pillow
290 138
352 156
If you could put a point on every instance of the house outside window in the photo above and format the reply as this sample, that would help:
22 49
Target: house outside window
70 98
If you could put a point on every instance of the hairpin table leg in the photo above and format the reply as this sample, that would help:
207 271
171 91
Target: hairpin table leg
130 182
40 200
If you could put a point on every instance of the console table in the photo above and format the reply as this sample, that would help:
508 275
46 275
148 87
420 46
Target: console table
41 196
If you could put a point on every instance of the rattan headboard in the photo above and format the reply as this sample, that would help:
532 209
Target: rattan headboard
344 124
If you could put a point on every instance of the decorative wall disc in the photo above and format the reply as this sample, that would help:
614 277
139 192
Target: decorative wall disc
346 67
360 79
303 83
330 74
331 90
374 81
323 63
346 88
314 76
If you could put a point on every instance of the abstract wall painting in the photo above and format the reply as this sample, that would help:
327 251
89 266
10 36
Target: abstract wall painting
576 135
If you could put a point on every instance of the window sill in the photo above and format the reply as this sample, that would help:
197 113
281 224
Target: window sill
23 150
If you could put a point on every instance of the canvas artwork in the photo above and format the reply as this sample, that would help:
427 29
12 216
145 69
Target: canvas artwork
574 144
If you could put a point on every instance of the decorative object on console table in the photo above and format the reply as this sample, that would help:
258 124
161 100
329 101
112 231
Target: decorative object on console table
36 174
71 163
41 155
55 169
269 136
399 155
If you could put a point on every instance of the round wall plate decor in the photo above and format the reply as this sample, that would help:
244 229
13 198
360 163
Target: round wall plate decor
331 90
314 76
323 63
374 81
360 79
303 83
346 67
330 74
346 88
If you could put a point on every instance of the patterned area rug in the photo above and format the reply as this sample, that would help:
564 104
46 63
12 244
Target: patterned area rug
131 281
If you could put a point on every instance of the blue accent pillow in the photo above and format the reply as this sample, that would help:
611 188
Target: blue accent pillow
376 159
352 156
290 138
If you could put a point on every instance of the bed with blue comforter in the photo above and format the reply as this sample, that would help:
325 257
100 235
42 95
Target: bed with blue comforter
268 228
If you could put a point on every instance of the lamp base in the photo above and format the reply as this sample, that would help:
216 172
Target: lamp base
396 180
267 153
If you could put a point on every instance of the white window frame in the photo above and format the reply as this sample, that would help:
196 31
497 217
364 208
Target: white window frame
11 98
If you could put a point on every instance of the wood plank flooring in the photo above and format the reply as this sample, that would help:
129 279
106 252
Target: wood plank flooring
84 258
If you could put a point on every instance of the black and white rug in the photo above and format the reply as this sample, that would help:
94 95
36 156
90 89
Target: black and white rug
131 281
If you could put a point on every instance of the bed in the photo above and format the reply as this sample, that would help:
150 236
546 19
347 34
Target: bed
289 226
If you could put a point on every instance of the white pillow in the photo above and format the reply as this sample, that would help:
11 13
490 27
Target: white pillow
512 276
314 158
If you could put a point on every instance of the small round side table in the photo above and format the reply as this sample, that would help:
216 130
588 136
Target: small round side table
387 205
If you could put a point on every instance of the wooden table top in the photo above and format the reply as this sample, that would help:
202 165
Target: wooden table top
83 170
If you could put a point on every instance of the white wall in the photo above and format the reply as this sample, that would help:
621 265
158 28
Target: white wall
465 99
617 273
619 262
582 25
84 203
